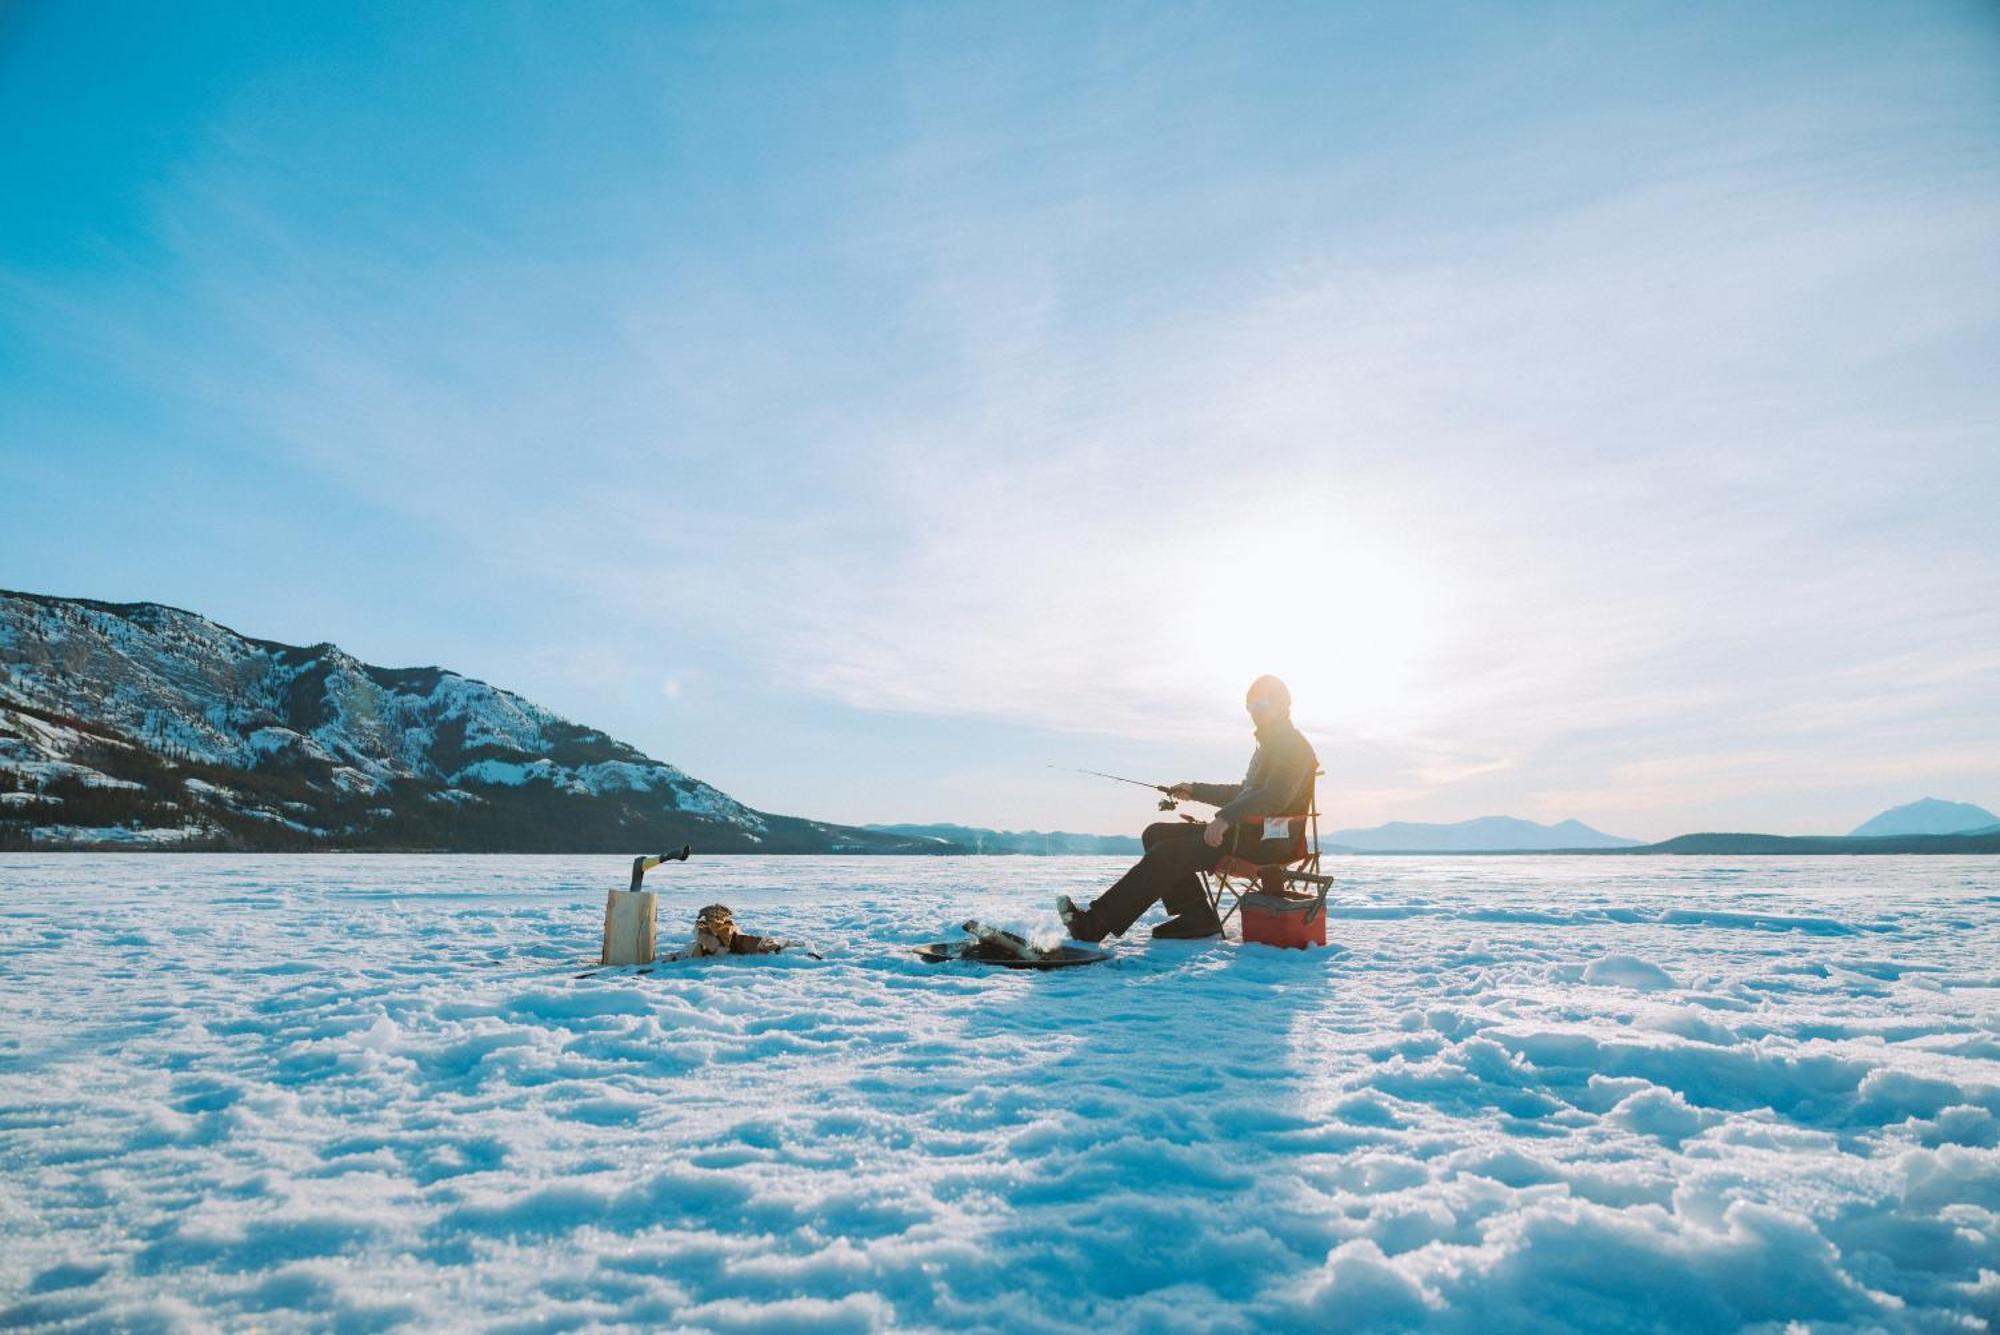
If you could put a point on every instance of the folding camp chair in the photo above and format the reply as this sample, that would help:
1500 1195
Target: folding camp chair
1294 879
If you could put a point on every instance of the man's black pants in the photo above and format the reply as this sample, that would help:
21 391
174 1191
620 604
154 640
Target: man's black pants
1175 851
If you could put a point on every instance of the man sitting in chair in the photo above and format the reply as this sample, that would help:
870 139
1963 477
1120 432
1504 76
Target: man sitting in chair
1278 783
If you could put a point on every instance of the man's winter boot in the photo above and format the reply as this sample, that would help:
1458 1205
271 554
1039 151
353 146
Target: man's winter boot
1189 927
1078 922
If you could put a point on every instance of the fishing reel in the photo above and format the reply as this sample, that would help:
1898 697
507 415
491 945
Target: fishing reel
1169 804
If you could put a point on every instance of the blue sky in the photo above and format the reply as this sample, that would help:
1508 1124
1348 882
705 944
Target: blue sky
1589 409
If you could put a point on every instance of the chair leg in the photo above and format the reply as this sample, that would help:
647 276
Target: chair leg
1216 887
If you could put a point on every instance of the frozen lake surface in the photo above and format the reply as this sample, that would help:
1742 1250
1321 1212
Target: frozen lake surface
1520 1093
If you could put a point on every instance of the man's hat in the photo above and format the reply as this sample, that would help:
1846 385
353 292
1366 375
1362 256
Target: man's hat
1271 689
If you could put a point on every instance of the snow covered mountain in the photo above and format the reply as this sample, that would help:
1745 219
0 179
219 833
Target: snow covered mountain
1927 816
136 724
1485 834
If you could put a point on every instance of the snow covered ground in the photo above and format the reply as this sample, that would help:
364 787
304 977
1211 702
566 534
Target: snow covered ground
1606 1094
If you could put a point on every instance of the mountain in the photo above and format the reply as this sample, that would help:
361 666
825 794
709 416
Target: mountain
1485 834
1927 816
1038 843
1815 845
138 725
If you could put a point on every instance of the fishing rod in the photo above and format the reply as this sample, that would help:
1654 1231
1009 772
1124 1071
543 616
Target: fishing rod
1167 803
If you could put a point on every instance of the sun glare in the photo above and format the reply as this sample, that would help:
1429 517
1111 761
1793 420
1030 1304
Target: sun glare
1348 621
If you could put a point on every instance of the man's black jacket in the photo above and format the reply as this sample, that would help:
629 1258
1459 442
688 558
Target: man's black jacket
1278 782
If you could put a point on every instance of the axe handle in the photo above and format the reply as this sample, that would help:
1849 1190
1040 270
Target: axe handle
643 864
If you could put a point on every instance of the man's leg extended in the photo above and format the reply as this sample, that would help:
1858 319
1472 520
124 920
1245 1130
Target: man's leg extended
1183 895
1174 853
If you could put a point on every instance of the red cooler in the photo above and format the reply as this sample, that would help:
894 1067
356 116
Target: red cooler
1284 918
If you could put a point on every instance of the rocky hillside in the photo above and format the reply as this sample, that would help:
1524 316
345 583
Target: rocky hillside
137 725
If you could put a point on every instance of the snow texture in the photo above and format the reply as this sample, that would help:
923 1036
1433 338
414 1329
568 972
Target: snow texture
1524 1094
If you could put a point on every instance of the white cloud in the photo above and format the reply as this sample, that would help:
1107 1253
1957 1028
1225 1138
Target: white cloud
1628 479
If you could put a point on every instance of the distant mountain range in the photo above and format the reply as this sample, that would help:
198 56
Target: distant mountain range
1807 845
1927 816
1035 843
137 725
1483 834
1488 835
1927 826
1501 834
1924 826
